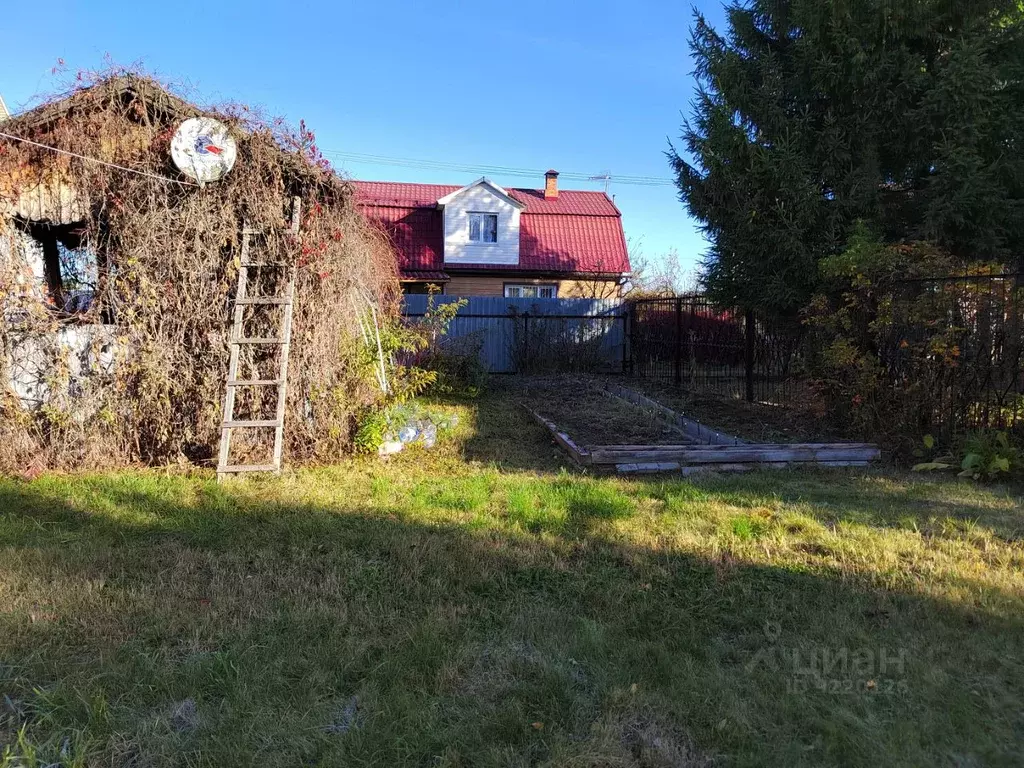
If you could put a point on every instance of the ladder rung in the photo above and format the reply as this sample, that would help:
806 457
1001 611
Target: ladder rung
265 300
255 423
253 382
248 468
257 340
278 264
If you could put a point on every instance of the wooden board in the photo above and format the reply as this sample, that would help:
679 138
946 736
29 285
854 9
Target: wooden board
672 466
692 429
715 454
578 454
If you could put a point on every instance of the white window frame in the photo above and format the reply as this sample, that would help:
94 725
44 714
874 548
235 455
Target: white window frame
480 218
531 290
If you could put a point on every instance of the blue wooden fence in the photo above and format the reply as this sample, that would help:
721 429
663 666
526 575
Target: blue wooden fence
536 335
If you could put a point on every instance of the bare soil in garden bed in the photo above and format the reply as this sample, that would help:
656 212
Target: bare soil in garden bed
590 417
799 420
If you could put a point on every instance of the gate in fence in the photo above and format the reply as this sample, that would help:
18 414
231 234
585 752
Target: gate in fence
535 335
688 341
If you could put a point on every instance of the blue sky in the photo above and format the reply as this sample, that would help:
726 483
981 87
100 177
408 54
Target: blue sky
579 87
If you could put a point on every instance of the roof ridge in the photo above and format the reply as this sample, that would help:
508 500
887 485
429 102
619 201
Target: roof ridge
538 190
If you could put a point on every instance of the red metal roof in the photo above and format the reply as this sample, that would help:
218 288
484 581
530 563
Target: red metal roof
578 232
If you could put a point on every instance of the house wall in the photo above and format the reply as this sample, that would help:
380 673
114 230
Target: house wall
486 285
78 352
40 195
21 265
457 247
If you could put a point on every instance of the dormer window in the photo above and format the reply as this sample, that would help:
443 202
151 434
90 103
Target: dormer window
483 227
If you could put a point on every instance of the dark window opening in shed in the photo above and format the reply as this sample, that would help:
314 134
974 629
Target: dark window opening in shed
70 266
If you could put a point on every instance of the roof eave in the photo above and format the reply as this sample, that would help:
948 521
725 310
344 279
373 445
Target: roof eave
499 190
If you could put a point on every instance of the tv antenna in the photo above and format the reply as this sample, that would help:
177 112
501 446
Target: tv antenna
605 176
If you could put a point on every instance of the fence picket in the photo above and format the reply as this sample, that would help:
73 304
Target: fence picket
723 351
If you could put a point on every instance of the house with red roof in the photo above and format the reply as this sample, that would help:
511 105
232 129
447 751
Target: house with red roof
485 240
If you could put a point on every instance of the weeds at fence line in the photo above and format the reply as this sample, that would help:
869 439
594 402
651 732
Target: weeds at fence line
546 344
916 344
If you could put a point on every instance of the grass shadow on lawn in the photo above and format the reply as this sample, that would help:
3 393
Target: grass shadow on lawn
293 633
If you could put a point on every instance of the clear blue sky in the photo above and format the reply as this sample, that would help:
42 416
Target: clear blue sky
576 86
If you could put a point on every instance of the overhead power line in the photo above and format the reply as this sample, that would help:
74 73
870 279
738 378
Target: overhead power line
433 165
495 170
97 160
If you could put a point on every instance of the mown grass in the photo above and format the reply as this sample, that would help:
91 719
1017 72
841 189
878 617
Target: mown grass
483 604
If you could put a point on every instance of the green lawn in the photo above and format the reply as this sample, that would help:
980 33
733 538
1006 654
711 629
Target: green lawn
483 605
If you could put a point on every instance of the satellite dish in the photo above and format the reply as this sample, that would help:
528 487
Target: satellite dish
203 149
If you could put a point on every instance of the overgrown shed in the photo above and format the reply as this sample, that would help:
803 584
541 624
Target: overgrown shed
117 275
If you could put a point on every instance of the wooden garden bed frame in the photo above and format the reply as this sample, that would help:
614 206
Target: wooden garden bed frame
705 449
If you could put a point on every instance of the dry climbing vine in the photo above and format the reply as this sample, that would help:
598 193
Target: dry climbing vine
157 263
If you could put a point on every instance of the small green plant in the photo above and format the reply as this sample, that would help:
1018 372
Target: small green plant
455 363
391 424
988 454
370 435
984 455
934 463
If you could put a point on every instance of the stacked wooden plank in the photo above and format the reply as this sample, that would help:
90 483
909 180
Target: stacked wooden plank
668 458
703 449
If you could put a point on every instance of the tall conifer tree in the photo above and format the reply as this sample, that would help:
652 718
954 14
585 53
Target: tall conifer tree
813 114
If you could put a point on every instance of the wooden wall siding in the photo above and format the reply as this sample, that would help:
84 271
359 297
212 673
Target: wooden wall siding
488 319
457 247
486 285
475 286
584 289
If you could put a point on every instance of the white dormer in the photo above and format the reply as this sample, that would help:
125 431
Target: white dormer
481 225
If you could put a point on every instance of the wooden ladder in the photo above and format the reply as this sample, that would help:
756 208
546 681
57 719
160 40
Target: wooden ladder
238 340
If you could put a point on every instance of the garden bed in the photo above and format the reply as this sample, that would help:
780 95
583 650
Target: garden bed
629 432
800 419
578 406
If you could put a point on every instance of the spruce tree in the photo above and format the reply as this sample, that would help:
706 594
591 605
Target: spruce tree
814 114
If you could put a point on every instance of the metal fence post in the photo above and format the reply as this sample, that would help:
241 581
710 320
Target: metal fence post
526 341
749 353
679 342
626 331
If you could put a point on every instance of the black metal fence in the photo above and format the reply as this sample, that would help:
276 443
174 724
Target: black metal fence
691 342
958 342
951 347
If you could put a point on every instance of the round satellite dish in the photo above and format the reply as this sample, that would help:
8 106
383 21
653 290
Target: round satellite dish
203 149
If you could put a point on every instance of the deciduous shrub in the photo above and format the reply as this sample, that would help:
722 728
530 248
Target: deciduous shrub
909 342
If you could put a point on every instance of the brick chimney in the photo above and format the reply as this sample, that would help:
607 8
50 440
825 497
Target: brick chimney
551 185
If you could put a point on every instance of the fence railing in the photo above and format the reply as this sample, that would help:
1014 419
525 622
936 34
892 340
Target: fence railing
692 343
953 347
972 330
536 335
689 341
